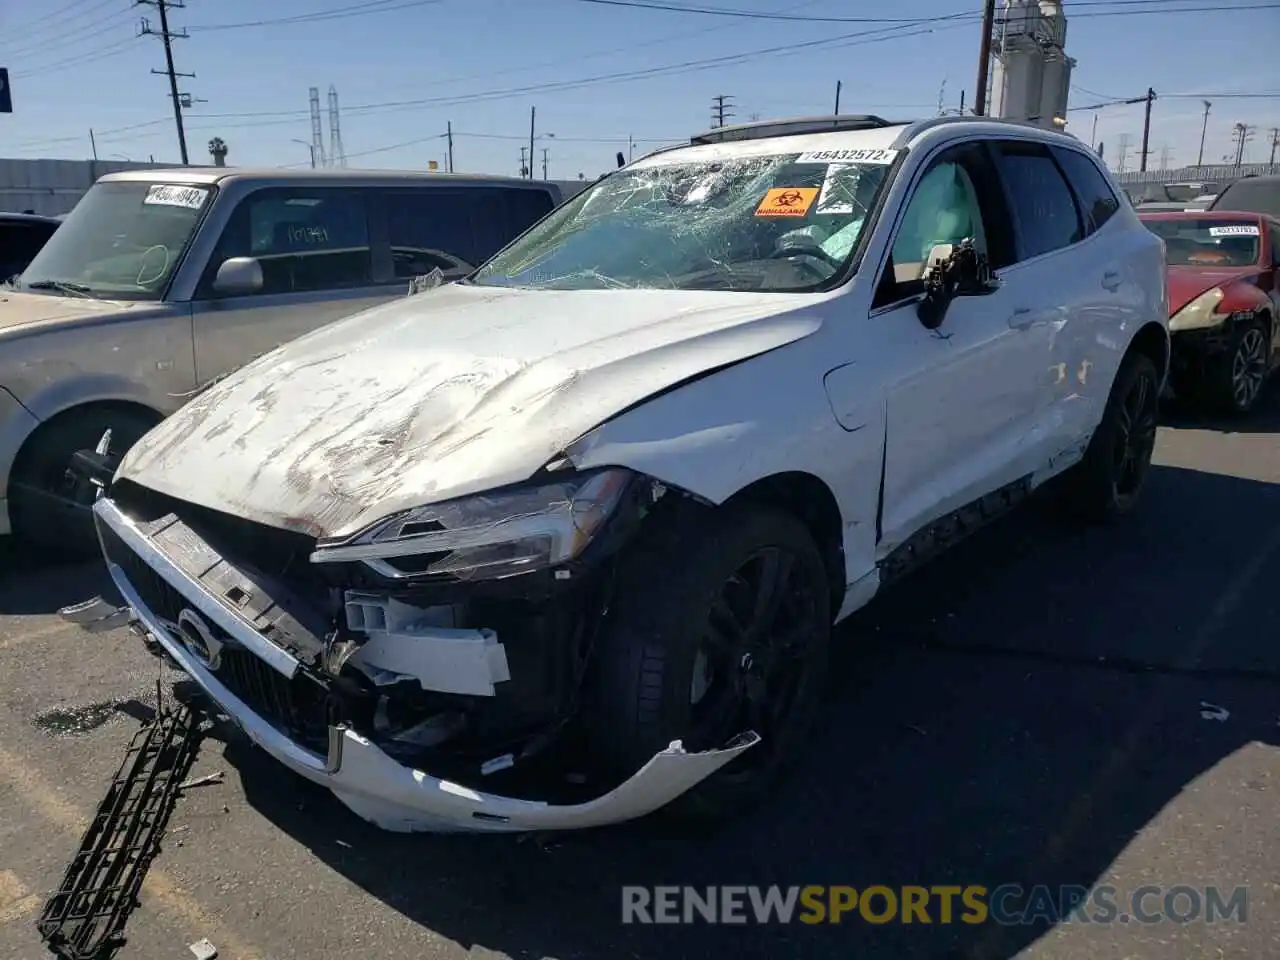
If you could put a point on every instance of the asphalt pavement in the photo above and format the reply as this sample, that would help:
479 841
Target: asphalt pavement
1045 706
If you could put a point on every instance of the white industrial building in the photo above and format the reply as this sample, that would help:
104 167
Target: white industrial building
1031 75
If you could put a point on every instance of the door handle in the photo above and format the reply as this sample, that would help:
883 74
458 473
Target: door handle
1111 279
1021 318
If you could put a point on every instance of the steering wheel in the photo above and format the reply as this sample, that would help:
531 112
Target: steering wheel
804 247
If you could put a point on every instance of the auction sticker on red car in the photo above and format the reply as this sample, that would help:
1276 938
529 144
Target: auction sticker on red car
1236 230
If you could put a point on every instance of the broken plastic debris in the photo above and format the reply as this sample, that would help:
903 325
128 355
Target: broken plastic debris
204 950
202 781
426 281
1211 711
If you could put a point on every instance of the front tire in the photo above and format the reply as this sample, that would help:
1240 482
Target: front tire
721 623
47 507
1235 381
1107 483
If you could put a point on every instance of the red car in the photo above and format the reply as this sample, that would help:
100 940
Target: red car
1224 303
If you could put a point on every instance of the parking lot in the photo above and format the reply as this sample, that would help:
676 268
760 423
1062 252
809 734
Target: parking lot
1044 706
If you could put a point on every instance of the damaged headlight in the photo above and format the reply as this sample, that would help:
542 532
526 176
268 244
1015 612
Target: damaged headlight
490 535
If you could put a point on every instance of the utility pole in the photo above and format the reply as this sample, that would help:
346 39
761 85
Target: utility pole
164 6
449 135
94 146
524 166
544 163
1146 129
1275 142
720 110
1242 135
532 114
838 86
984 58
1203 129
1093 137
1124 152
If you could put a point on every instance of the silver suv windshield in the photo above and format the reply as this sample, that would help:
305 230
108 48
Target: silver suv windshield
783 222
122 240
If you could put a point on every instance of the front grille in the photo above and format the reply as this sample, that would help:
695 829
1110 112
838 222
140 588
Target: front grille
156 592
300 706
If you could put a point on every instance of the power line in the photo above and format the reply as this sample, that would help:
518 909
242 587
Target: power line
656 5
108 134
318 16
59 15
90 30
112 50
877 35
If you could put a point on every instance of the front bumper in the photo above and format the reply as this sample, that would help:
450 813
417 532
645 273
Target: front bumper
367 780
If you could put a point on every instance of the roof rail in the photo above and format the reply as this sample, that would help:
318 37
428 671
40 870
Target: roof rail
798 125
918 127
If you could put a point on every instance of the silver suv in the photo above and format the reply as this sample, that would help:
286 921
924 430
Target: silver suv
161 281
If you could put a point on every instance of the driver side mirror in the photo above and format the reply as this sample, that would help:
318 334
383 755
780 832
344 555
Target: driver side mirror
238 276
954 270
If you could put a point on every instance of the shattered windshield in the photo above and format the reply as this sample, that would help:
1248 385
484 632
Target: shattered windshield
782 222
122 240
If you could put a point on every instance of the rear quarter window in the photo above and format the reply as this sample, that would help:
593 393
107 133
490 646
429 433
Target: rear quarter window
1098 201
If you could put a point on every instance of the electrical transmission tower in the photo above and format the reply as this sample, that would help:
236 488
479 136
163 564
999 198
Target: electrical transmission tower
1123 153
1241 135
317 132
337 156
166 36
1165 151
720 110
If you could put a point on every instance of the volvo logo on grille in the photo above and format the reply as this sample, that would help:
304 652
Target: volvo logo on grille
199 639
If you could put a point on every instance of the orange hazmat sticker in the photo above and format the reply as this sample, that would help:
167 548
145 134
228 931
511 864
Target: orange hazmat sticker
787 202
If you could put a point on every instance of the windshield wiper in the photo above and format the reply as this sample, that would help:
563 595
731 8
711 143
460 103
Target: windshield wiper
62 286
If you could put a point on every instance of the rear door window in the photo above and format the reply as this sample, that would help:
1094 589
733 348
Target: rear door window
457 229
1043 204
305 239
1097 199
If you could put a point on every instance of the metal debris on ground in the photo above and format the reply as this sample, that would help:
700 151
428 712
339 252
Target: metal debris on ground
204 950
85 918
205 781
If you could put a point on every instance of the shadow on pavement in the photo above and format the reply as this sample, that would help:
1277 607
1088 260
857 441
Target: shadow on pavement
36 581
1016 713
1265 417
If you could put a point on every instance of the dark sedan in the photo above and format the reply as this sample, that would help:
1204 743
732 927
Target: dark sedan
21 237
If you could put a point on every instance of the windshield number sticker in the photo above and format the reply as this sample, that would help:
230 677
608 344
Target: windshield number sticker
787 202
883 157
170 196
1236 230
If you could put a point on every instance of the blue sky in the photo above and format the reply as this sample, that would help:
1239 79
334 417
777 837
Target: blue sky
78 64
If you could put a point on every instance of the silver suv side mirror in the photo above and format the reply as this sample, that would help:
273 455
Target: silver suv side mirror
238 276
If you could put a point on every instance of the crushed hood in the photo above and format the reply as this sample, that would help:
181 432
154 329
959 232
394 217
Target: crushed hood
446 393
23 310
1187 283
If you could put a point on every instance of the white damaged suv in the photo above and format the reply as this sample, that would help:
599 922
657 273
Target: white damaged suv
564 542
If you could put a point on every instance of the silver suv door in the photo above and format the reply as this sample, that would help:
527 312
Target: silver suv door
313 244
961 400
